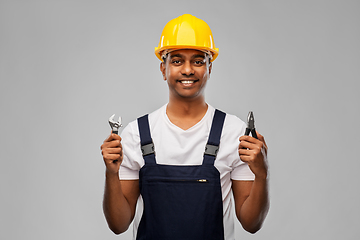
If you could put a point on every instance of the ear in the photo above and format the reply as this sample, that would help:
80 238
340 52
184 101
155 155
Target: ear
210 67
163 70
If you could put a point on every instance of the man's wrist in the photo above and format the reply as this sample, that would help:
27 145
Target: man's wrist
111 174
262 177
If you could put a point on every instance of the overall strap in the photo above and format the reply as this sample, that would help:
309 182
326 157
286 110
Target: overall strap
212 146
147 145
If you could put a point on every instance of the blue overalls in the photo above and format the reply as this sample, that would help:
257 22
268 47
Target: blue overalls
181 202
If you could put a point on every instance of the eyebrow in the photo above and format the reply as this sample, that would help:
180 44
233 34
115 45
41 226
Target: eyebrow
199 55
181 56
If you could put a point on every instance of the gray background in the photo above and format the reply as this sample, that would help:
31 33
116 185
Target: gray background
66 66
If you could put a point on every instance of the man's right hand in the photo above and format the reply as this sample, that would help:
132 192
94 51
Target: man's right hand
120 196
112 153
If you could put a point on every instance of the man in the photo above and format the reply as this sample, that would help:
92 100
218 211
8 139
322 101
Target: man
186 158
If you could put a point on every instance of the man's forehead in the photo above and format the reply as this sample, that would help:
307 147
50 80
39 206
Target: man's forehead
187 53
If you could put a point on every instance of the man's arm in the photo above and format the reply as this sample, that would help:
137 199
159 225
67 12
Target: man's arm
120 196
252 197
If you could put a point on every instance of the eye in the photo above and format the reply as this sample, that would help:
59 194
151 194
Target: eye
176 61
199 62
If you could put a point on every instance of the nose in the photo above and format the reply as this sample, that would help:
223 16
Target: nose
187 69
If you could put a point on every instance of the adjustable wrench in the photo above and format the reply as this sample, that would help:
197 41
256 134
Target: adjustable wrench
115 125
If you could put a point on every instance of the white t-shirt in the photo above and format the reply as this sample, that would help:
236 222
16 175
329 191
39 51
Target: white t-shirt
175 146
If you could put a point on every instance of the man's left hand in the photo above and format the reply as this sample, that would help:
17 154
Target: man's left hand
254 152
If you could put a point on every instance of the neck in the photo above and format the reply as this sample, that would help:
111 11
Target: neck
186 114
187 109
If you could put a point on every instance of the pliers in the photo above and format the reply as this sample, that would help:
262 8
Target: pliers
115 125
251 125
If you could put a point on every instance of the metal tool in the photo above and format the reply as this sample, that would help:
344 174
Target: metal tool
251 125
115 125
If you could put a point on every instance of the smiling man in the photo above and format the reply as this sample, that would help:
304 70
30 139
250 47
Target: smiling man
186 71
175 169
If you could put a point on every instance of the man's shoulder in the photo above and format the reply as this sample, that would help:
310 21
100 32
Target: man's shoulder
232 120
153 117
158 112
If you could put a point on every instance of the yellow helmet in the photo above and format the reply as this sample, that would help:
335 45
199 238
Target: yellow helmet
187 32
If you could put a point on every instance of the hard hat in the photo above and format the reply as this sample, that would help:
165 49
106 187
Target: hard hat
187 32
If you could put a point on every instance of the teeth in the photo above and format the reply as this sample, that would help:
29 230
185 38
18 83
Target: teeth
187 82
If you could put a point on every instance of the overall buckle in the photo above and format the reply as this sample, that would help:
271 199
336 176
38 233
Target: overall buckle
148 149
211 150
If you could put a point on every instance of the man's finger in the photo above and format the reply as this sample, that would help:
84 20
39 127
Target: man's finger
114 150
111 144
261 137
112 157
244 151
248 139
245 158
112 137
244 145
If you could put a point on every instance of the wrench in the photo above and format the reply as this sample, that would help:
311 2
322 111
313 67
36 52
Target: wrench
115 125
